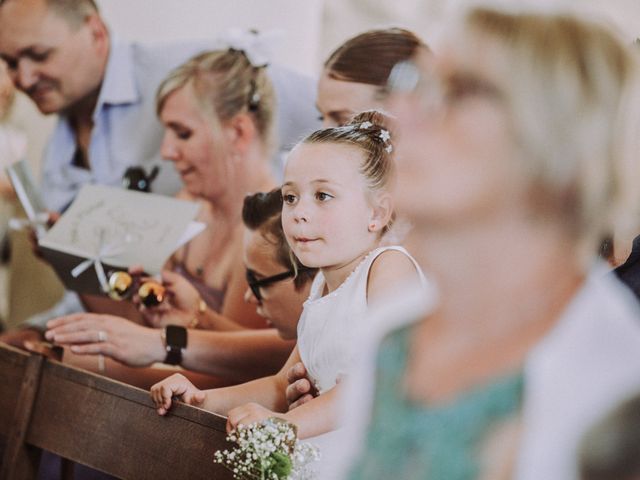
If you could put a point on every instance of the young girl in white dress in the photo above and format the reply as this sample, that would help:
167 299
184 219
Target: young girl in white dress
336 213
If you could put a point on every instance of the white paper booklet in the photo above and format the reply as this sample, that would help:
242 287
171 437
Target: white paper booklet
112 228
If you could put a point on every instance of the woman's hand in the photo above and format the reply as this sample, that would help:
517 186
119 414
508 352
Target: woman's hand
181 307
115 337
177 385
246 414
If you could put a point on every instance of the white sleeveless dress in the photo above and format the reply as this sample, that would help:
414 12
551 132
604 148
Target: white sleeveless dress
330 325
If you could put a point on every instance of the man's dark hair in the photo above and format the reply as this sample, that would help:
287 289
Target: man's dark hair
73 11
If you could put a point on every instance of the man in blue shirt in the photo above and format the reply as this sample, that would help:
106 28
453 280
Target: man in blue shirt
61 54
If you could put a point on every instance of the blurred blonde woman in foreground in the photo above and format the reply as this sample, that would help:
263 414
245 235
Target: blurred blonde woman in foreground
520 151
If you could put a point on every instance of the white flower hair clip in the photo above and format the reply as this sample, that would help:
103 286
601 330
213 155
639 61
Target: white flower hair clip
385 136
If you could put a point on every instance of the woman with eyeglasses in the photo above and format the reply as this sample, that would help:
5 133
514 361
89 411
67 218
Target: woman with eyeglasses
271 268
520 151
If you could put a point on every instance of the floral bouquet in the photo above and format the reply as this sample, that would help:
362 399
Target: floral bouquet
268 450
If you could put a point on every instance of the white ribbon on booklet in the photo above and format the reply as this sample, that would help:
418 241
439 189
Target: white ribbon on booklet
107 250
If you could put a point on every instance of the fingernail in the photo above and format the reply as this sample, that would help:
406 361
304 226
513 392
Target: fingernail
49 336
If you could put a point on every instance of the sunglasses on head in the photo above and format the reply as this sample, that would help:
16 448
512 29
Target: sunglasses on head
255 284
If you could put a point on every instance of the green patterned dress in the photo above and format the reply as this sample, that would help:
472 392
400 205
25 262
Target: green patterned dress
408 441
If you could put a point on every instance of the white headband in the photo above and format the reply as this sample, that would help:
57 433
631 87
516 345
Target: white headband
256 46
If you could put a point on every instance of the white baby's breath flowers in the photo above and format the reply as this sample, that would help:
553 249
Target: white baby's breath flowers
268 450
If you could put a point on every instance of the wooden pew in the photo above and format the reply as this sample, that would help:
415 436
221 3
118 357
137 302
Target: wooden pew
19 377
96 421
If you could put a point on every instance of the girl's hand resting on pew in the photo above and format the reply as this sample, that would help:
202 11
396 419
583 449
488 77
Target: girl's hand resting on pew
176 385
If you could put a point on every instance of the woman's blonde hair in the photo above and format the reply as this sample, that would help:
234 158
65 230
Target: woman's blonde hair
225 84
573 91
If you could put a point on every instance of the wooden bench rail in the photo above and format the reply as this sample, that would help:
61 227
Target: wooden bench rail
23 371
13 365
102 423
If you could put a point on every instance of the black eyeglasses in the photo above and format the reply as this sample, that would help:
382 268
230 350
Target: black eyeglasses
255 284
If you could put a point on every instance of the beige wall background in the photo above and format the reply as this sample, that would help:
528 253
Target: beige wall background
298 22
309 30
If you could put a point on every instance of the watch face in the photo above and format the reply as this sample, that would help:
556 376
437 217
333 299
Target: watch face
176 336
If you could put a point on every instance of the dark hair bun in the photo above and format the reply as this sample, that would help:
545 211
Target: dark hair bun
260 207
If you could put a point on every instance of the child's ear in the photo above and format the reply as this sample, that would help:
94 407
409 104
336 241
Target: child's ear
241 132
382 212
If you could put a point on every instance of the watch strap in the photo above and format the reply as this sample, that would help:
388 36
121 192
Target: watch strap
174 356
175 338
